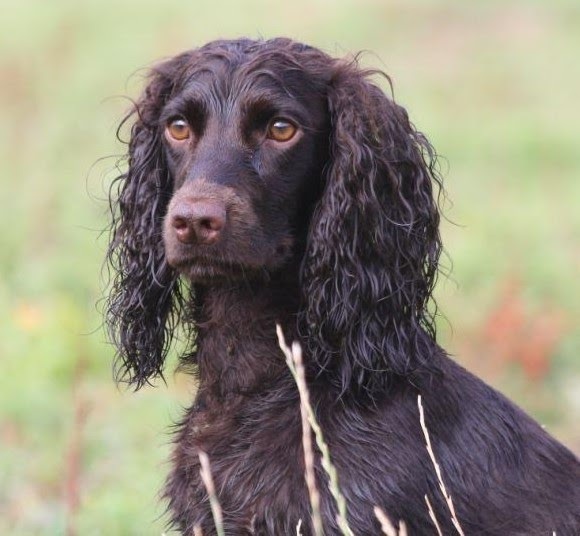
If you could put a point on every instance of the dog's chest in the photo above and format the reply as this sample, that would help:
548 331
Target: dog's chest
255 453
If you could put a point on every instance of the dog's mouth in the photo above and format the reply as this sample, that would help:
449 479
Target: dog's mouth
208 270
209 267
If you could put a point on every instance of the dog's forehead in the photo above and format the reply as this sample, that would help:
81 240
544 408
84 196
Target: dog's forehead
234 76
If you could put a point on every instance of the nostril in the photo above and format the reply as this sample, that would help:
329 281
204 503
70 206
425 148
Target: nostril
183 228
179 223
212 224
208 228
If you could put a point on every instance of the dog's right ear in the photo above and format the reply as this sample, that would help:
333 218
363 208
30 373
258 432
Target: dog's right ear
144 298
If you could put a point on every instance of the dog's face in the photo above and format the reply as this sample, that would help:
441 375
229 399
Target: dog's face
245 146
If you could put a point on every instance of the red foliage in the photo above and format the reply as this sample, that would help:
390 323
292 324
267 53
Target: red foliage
513 333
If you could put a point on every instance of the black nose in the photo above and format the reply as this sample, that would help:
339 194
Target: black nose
201 221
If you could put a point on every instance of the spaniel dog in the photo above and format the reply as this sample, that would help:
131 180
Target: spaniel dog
269 183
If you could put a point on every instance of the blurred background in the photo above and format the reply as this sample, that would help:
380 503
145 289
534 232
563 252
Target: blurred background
495 86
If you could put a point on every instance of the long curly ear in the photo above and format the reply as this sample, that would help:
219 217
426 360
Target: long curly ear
373 246
144 297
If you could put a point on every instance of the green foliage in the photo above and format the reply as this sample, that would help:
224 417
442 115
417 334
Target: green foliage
494 85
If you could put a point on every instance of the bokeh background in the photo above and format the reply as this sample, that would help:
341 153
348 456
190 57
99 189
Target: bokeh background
494 84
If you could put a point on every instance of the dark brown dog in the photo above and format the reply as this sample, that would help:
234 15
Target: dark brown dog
284 187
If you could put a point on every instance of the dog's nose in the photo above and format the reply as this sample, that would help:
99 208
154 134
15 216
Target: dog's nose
200 221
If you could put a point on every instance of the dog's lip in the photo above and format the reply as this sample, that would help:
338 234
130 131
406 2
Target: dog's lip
207 271
209 266
207 262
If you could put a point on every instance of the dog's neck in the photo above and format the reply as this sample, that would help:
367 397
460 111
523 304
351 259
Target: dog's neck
237 348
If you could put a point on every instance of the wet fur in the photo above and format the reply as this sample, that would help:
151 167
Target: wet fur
339 243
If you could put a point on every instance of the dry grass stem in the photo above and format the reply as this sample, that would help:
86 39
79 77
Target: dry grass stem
432 516
387 527
296 366
298 527
446 495
216 510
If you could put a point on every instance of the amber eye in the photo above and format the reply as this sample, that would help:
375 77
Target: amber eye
281 130
178 129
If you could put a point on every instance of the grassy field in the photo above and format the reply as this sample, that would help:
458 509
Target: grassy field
494 85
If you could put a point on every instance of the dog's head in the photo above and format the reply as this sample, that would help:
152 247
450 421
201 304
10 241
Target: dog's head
246 156
244 136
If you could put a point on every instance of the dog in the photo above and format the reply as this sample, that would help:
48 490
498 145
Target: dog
269 183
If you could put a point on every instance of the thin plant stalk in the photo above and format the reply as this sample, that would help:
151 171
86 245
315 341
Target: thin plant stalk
446 495
433 516
298 527
296 366
387 527
207 478
309 453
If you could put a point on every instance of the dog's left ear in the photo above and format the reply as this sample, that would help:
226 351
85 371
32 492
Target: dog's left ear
373 245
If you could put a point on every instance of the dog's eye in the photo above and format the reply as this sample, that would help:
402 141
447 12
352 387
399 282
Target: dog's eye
178 129
281 130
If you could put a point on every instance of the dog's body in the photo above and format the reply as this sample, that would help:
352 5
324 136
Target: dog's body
505 474
290 190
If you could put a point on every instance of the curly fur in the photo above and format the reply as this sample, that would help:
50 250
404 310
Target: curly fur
335 237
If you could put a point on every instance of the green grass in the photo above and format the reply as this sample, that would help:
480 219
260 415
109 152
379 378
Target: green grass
495 86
